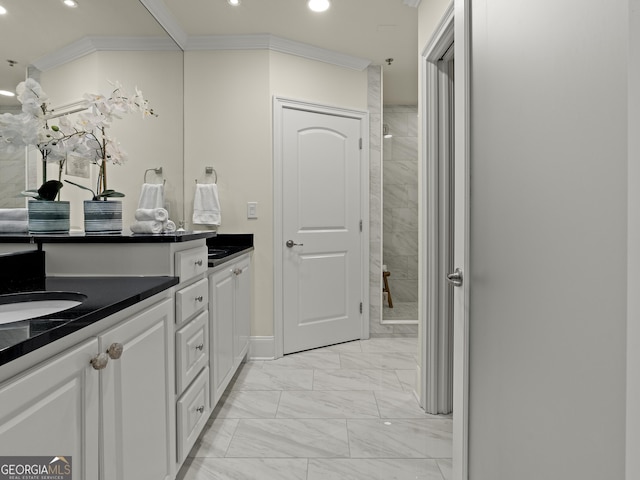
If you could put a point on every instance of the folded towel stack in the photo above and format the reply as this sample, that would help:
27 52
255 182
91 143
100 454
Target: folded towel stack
152 220
14 220
206 205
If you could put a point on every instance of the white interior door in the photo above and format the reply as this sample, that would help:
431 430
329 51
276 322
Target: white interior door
462 199
322 261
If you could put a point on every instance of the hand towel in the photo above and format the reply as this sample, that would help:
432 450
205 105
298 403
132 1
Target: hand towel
157 214
14 226
206 205
13 214
170 227
147 226
151 196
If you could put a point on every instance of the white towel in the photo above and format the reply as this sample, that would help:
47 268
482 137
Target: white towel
206 205
14 226
169 227
157 214
151 196
147 226
13 214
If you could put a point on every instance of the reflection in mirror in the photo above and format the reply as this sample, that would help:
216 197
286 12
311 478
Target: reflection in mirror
74 51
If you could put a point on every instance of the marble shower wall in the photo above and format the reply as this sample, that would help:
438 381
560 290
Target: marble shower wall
374 78
376 327
12 180
400 204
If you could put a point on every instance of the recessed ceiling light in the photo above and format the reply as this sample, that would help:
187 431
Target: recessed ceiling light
70 3
7 93
318 5
3 10
233 3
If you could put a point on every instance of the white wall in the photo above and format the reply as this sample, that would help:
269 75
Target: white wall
548 239
228 119
150 142
633 287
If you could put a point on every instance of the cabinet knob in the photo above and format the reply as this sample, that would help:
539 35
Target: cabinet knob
99 361
200 347
200 409
199 262
237 271
115 351
199 298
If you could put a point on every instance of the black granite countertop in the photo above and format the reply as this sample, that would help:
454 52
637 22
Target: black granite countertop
105 296
225 247
81 237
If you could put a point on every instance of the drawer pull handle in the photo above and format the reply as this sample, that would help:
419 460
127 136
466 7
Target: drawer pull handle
100 361
200 409
115 351
200 347
199 262
199 298
237 271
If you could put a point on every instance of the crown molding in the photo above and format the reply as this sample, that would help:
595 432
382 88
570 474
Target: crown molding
91 44
410 3
164 17
276 44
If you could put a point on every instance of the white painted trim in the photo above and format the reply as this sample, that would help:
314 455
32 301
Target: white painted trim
275 44
632 467
432 350
164 17
262 348
443 33
87 45
279 104
456 15
158 9
462 34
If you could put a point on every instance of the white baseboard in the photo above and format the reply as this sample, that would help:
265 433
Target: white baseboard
262 348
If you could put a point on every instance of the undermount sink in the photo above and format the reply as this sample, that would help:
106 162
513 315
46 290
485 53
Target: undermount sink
22 306
217 252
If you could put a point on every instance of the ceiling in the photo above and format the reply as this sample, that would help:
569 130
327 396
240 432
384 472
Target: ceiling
35 28
369 29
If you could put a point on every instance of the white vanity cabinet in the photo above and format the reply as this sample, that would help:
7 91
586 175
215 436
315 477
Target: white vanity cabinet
230 313
54 409
137 397
106 402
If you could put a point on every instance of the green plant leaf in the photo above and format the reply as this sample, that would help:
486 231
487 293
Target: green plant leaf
111 194
95 197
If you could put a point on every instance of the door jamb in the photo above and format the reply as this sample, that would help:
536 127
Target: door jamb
455 23
279 104
432 349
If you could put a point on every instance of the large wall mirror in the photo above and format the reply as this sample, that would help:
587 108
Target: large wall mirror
76 50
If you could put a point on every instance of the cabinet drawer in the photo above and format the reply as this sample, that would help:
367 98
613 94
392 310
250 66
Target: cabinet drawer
193 412
192 299
192 350
190 263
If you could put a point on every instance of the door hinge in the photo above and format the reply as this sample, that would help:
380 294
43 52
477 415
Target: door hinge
360 225
360 307
360 144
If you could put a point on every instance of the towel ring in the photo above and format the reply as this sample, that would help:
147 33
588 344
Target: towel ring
157 170
210 171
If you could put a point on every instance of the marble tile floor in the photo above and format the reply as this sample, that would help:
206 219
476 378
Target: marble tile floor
345 412
400 311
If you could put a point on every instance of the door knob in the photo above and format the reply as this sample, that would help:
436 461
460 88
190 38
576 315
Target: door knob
115 351
455 278
291 244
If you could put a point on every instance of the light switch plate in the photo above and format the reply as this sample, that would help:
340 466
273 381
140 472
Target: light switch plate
252 210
